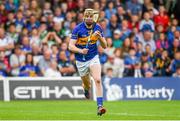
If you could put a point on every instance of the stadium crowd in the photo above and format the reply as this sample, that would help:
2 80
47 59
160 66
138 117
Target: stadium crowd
143 37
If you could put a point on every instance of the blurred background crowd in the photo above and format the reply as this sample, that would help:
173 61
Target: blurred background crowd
143 37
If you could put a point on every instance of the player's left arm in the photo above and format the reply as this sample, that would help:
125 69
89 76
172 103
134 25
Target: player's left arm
101 39
100 35
103 42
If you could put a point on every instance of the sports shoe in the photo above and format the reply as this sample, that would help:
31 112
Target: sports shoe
101 110
87 93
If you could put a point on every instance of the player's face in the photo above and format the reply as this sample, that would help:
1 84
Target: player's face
88 19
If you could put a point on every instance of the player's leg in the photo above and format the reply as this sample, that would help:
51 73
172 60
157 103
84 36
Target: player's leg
95 70
83 69
86 85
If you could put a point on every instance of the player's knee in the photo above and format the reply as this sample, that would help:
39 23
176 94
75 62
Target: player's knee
97 80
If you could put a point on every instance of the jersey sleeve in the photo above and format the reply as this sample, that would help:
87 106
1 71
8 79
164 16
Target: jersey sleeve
75 33
100 29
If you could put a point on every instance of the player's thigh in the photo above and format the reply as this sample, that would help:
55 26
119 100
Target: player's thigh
83 68
95 71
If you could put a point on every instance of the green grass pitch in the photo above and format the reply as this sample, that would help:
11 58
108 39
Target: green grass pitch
86 110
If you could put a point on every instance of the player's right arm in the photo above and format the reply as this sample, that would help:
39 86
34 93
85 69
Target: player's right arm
72 47
72 44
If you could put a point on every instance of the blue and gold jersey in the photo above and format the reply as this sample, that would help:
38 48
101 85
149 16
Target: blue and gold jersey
81 33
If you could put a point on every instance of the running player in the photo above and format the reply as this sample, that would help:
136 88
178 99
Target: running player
86 54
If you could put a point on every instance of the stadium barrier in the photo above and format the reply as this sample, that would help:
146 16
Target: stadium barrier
69 88
41 88
163 88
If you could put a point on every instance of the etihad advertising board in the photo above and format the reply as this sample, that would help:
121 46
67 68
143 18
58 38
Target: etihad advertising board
141 89
25 90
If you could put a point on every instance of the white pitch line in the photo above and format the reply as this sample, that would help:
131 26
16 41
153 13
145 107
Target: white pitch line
127 114
117 114
146 115
90 120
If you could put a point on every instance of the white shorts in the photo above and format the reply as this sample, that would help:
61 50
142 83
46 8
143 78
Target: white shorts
83 67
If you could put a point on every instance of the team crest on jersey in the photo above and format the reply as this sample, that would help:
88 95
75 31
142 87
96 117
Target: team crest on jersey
84 35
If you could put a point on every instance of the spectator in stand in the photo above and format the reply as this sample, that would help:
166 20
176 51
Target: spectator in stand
113 24
118 61
146 6
147 71
32 23
12 33
55 52
145 58
4 65
17 59
174 48
134 7
117 43
29 69
124 30
64 9
139 50
20 21
24 4
103 4
102 16
162 64
177 73
147 38
47 9
134 22
66 68
159 30
53 70
147 22
6 43
121 14
96 5
80 17
110 10
26 48
150 53
138 73
72 5
35 38
106 31
133 40
3 14
58 15
64 47
10 6
44 62
125 48
109 73
162 18
170 34
60 31
10 19
35 9
175 62
111 64
162 43
51 38
130 60
81 5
